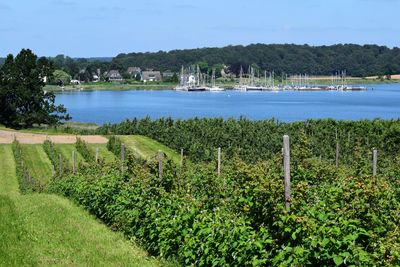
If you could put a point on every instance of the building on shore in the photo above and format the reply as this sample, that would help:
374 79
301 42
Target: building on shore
114 76
151 76
133 70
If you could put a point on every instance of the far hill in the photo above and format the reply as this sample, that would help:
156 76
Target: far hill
357 60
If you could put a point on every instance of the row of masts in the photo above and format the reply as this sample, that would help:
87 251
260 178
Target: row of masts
253 82
192 79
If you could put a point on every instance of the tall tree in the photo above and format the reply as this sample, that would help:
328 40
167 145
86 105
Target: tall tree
23 99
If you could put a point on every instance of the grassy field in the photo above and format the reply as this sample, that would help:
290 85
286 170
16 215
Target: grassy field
54 130
39 165
104 153
47 230
147 148
113 86
66 152
8 182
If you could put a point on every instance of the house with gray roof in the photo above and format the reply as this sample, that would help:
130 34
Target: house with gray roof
114 76
133 70
151 76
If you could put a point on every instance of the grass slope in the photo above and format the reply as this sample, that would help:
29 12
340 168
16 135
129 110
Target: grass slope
8 181
42 230
66 152
39 165
147 148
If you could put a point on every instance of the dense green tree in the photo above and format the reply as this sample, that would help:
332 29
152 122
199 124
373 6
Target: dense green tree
23 101
60 77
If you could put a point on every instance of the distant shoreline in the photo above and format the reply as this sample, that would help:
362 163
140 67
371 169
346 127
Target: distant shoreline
169 86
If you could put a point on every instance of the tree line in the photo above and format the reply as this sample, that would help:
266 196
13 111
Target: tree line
357 60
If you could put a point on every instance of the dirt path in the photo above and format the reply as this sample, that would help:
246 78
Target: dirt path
7 137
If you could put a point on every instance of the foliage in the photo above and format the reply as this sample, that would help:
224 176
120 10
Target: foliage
283 58
238 218
24 102
60 77
260 140
357 60
83 149
59 162
27 183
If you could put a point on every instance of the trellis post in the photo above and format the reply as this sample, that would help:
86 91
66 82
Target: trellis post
286 164
97 155
73 161
122 156
374 161
219 161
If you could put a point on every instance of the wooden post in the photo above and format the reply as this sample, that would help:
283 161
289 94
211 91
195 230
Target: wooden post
374 161
160 164
337 154
122 152
97 155
73 161
122 156
219 161
181 163
61 163
286 163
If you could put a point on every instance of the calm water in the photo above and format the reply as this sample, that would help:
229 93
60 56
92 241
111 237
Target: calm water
383 101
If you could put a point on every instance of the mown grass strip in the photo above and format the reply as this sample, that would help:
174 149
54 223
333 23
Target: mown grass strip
38 164
147 148
68 235
8 178
47 230
15 241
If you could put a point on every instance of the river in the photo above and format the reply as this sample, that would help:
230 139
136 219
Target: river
380 101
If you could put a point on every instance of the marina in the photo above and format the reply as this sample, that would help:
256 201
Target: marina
193 80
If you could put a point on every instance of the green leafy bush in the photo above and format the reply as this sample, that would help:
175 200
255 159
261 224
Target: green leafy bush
27 183
238 218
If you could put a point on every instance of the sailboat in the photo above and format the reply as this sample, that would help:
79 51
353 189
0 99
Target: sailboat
251 86
182 86
190 81
213 87
240 86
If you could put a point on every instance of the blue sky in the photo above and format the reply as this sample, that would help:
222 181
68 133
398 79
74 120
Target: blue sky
90 28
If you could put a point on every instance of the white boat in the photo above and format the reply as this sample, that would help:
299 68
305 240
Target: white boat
190 82
214 87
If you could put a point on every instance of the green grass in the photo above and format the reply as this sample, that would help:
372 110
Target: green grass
48 230
104 153
66 152
147 148
43 230
114 86
55 130
37 162
8 181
